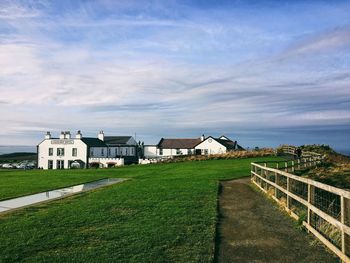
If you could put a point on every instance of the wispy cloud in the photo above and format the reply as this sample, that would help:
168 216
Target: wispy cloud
328 41
169 69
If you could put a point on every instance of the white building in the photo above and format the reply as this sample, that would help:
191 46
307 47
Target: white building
83 152
167 148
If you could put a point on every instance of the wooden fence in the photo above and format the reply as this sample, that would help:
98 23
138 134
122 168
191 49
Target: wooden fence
323 209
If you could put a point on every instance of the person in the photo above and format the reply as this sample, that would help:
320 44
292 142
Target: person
299 152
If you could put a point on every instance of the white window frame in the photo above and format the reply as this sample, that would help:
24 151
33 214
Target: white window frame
60 164
74 152
49 164
60 151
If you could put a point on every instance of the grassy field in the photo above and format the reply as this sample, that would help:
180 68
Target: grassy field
165 213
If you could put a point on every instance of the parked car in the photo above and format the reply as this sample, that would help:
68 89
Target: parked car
7 166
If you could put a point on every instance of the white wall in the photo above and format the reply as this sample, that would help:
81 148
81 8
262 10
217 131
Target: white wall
150 151
173 152
212 146
104 162
68 145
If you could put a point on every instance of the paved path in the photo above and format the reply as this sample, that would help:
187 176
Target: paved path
252 229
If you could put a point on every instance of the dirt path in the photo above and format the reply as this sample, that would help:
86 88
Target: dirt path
252 229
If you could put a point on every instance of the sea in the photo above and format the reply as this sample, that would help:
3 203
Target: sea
16 148
345 152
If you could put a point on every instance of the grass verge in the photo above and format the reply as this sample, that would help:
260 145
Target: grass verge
166 213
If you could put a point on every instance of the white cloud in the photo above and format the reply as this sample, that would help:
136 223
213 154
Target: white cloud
160 75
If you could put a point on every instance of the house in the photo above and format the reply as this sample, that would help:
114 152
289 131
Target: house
211 145
67 152
167 148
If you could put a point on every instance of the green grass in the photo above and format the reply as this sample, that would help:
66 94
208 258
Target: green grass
165 213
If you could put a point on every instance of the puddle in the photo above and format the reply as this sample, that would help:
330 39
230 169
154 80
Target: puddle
23 201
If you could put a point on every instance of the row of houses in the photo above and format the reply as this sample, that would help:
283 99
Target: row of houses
199 146
67 151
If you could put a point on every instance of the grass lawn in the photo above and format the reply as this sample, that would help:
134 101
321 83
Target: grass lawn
165 213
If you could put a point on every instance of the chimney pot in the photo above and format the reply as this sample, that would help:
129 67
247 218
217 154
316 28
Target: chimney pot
101 136
78 135
48 135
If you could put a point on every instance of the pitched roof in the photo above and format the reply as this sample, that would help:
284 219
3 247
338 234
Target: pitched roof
230 145
93 142
178 143
116 139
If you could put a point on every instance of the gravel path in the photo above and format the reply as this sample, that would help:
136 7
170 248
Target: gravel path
252 229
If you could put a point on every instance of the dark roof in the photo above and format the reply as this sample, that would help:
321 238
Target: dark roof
93 142
178 143
230 145
116 139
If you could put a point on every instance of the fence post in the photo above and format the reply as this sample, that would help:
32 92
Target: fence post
292 166
276 182
288 189
310 200
256 171
342 219
286 166
251 171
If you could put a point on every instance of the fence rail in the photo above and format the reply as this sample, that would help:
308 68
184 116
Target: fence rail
290 149
323 209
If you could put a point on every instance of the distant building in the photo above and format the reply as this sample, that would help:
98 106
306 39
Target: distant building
167 148
67 152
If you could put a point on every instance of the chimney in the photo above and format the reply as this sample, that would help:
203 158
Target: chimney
202 137
79 135
62 135
67 136
101 136
48 136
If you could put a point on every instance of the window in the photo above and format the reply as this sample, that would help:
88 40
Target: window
160 151
109 151
178 151
189 151
60 164
91 152
116 151
206 151
50 164
60 151
74 152
102 151
132 151
50 151
126 151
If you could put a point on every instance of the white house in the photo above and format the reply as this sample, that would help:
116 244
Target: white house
211 145
67 152
167 148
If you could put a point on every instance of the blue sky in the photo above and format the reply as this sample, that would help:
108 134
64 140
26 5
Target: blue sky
261 72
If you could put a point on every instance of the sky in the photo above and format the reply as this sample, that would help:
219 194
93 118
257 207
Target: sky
261 72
